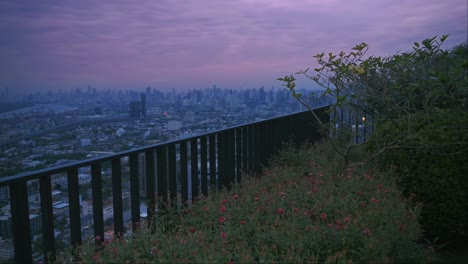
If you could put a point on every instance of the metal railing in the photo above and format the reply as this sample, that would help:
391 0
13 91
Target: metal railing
178 170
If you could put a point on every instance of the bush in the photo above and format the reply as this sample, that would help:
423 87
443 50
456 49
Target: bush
436 173
304 208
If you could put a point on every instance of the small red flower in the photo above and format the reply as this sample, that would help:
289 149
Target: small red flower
192 229
223 234
280 211
154 251
98 238
243 222
256 199
206 208
235 197
323 215
282 194
347 219
222 219
366 231
379 186
295 209
373 200
222 208
262 208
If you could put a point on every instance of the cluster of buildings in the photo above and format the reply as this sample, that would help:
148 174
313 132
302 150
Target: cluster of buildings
67 126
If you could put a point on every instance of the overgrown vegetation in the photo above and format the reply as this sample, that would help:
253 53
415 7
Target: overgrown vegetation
303 209
418 101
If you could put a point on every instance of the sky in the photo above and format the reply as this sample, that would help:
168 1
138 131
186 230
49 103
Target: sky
182 44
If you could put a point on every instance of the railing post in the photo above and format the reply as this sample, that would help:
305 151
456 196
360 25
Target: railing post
96 183
231 157
183 172
47 219
222 160
172 173
245 145
162 175
204 166
150 185
74 207
212 143
194 166
257 148
238 149
134 191
251 148
20 222
117 196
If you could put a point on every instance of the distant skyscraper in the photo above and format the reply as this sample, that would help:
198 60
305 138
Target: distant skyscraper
143 104
134 109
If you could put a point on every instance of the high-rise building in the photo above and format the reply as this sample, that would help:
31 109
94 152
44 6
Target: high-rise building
143 104
134 109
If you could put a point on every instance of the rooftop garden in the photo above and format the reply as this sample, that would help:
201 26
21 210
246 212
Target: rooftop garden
398 197
303 208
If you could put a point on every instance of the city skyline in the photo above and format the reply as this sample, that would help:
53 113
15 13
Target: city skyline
196 44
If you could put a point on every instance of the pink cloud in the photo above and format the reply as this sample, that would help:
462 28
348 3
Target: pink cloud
184 43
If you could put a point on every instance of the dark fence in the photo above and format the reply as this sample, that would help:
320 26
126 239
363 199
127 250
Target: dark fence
175 171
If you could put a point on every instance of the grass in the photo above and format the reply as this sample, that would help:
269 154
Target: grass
304 208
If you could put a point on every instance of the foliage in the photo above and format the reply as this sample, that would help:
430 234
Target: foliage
302 209
418 101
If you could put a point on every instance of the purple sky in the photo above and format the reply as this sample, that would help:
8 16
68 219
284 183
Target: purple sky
194 44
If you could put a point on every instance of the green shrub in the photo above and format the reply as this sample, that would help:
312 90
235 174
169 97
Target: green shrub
304 208
435 172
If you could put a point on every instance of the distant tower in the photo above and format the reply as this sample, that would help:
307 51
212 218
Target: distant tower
143 104
134 109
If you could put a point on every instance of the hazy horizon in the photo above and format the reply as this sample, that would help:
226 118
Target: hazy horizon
197 44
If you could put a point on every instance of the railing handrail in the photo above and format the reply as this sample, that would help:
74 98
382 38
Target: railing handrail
31 175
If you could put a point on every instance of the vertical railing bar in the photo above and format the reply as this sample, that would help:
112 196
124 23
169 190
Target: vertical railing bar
194 167
150 185
96 186
257 149
222 146
47 219
204 166
232 157
212 142
251 149
117 197
20 222
172 173
134 191
238 149
74 207
161 174
183 172
245 160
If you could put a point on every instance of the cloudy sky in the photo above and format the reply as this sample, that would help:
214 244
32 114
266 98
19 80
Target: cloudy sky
194 44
